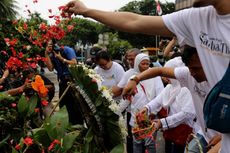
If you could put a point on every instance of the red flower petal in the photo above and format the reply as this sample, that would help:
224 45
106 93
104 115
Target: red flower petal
28 141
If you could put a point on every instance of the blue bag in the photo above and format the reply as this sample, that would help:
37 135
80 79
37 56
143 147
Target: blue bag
217 105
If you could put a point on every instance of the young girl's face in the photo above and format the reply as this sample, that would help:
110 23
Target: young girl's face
144 65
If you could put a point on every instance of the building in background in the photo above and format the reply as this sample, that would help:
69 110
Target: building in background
182 4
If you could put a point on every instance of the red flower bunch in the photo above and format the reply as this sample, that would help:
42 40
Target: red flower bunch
31 38
13 63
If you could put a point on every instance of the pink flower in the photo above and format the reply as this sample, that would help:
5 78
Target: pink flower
13 104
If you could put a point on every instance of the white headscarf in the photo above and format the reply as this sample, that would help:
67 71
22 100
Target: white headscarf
148 84
173 89
140 57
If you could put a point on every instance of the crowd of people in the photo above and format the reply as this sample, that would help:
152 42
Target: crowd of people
204 27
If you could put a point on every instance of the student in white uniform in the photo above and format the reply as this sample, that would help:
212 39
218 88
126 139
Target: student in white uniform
178 102
146 91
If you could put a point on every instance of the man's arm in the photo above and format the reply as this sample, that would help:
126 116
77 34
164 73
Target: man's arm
66 61
169 47
117 91
124 21
4 76
150 73
48 60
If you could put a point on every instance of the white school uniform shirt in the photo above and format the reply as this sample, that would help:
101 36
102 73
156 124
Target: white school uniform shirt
146 90
177 100
199 92
209 32
180 104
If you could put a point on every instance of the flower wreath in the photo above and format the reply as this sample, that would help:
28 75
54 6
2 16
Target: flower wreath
101 113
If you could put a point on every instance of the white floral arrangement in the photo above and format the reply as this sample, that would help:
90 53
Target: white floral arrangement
99 99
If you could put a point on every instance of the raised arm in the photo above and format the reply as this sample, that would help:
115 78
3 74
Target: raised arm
124 21
169 47
150 73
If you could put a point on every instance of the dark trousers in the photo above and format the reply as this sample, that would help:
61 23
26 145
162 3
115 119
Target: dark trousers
130 135
170 147
75 116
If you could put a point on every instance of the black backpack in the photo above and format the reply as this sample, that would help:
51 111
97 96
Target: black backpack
217 105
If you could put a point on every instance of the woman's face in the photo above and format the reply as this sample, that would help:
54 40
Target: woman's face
144 65
104 64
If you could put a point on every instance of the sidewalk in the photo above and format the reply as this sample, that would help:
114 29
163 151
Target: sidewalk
53 78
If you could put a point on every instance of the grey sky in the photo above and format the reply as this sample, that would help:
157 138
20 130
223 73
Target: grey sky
43 5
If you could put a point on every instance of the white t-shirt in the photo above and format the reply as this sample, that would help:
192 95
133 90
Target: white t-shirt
199 92
209 32
125 78
112 76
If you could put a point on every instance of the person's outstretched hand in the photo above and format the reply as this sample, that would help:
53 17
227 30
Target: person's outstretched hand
129 90
75 7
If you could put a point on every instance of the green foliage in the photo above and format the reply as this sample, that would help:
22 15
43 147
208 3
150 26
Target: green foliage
8 9
5 98
57 124
144 7
85 30
118 149
26 107
117 48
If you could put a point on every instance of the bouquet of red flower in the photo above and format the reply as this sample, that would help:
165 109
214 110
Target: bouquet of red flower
144 127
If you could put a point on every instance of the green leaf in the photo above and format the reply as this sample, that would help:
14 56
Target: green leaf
4 141
89 135
86 148
98 101
32 104
14 150
23 105
118 149
69 139
4 96
57 124
40 135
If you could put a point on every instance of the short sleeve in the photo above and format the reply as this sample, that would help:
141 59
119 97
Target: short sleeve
120 73
125 78
123 82
69 52
179 24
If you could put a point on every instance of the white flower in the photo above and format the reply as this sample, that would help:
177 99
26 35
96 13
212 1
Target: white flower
115 108
28 47
106 93
122 126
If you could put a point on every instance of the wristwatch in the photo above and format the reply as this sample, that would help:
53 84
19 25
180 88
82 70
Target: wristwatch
135 78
